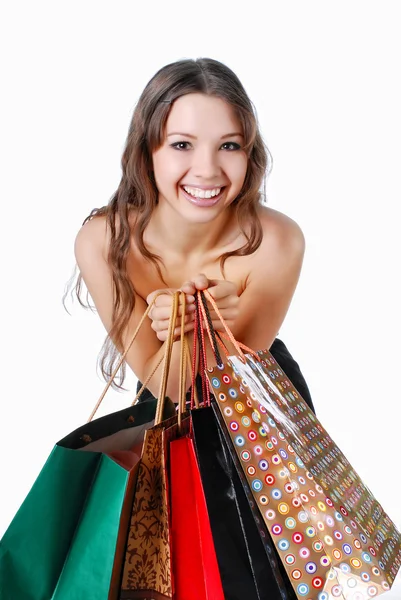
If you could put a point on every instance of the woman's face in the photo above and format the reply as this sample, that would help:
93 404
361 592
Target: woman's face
201 166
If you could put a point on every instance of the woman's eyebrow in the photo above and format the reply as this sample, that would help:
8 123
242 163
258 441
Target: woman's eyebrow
194 137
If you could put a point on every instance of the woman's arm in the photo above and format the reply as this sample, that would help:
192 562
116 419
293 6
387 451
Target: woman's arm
271 284
91 250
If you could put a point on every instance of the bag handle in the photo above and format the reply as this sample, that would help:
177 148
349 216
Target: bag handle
200 335
145 383
183 359
185 364
121 360
196 359
213 335
167 359
209 327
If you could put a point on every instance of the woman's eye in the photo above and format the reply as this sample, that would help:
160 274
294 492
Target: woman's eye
233 145
226 146
178 145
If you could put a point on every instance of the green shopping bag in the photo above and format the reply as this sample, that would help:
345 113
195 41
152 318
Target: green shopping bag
68 539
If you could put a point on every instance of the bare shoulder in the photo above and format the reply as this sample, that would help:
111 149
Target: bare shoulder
281 253
281 234
92 239
273 276
282 247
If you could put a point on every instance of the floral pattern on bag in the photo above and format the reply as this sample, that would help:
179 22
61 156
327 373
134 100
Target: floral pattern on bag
147 562
147 569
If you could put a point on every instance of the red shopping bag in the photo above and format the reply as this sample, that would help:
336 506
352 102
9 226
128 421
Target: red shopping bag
195 569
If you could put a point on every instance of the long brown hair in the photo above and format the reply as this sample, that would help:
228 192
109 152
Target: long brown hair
138 189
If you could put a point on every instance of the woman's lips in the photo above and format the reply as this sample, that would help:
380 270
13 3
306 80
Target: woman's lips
203 201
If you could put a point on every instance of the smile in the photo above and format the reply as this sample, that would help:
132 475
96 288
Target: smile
201 193
203 197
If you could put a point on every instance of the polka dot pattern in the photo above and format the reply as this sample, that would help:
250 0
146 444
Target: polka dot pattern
332 535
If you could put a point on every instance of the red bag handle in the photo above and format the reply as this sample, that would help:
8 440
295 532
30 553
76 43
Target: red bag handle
227 336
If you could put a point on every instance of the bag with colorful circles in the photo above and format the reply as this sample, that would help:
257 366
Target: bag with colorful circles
333 536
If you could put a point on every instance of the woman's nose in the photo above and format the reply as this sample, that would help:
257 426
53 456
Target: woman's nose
206 164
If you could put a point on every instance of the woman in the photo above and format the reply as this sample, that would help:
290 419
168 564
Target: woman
188 215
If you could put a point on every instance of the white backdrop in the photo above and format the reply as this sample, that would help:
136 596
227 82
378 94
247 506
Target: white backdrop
325 82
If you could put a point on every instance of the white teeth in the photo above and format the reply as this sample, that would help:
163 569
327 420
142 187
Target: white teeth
198 193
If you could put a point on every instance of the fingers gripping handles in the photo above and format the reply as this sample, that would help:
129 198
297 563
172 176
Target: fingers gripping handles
215 337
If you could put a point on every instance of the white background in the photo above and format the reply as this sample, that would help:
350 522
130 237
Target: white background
324 78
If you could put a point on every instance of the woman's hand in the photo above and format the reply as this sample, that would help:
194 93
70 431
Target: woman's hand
223 292
161 311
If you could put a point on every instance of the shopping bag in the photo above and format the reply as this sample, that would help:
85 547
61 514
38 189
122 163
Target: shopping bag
247 564
147 563
147 571
195 568
333 536
246 556
67 540
66 531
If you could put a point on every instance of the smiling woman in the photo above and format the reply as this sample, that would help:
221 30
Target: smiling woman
189 215
205 160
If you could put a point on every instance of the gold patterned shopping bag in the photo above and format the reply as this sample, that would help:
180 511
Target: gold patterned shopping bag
147 569
333 536
147 572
